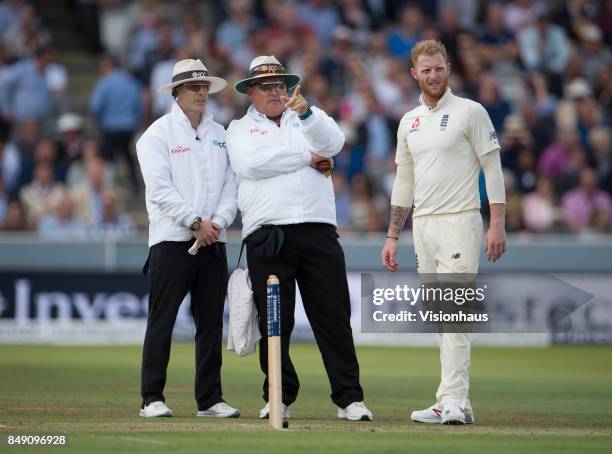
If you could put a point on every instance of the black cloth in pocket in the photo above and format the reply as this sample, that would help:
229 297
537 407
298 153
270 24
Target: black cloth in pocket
265 242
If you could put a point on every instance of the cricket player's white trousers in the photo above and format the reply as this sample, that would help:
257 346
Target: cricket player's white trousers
450 243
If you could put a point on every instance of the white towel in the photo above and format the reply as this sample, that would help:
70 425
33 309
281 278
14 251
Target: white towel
243 330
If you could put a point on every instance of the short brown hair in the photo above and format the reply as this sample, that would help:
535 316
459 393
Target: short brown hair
428 47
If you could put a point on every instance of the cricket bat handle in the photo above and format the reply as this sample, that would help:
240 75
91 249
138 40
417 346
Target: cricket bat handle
193 250
275 386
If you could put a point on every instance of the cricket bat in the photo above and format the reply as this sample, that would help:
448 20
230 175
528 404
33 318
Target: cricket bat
275 385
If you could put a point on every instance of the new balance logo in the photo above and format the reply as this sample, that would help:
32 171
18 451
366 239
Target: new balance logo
456 256
492 136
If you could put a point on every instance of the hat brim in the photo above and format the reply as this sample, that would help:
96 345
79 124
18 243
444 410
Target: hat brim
290 79
216 84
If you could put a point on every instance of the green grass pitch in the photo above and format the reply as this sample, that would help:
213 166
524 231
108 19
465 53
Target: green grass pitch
525 400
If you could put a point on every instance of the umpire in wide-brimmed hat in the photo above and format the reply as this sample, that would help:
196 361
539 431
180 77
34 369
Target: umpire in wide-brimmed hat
190 194
282 151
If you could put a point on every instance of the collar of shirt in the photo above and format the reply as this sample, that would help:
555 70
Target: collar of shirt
441 103
178 113
258 116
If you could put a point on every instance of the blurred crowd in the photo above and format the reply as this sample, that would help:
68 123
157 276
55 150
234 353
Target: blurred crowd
541 68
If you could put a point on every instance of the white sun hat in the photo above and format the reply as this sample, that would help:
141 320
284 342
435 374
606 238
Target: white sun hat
190 70
70 122
266 66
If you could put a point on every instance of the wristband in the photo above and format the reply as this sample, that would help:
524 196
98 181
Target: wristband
307 114
393 237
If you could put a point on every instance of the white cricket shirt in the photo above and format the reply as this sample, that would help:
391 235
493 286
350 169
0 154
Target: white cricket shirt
443 145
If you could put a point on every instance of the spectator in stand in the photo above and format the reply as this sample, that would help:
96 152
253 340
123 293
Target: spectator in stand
544 47
15 219
593 53
525 172
166 41
144 37
25 36
197 39
450 27
355 15
497 44
556 158
343 200
71 141
587 208
514 200
518 14
604 20
88 195
365 215
117 107
515 137
10 12
538 125
27 137
233 33
161 73
62 224
10 166
403 38
600 141
28 88
488 96
43 195
285 34
579 111
540 210
45 153
113 223
4 198
334 64
76 174
321 16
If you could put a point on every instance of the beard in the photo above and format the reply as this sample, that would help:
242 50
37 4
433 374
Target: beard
435 92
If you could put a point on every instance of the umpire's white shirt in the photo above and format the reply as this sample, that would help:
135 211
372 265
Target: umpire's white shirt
443 145
276 185
186 174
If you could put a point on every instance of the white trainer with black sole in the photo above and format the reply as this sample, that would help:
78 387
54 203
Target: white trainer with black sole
357 411
433 415
265 412
220 410
452 415
157 409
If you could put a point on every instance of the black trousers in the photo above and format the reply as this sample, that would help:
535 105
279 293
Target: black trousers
118 142
172 273
311 256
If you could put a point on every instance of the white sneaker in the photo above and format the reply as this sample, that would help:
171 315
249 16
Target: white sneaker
265 412
452 414
433 415
155 409
220 410
356 411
